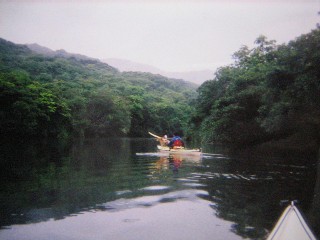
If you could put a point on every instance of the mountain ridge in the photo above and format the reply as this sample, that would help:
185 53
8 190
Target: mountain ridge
58 53
197 77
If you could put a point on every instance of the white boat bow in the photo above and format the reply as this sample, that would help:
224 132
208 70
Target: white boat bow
291 226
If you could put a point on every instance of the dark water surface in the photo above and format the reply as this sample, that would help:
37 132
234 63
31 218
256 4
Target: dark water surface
123 189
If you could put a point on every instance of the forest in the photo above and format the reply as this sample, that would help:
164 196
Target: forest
54 94
269 95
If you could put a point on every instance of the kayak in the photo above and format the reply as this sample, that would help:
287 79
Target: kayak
181 151
291 225
175 150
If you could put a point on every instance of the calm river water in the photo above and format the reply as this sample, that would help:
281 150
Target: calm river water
124 189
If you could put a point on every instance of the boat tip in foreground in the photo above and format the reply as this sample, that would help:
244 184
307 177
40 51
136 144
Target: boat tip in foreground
291 226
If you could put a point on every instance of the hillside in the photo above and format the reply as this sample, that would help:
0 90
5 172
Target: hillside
59 53
55 93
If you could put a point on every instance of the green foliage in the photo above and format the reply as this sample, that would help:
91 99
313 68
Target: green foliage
62 94
28 107
270 92
106 116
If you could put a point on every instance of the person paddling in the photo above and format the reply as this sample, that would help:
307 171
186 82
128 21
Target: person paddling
163 140
176 141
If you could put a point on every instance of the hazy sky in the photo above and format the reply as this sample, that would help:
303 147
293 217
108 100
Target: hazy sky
171 35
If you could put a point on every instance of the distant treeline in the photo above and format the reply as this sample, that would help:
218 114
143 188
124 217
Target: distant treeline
271 93
61 95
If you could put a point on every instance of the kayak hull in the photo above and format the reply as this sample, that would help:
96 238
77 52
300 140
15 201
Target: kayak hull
291 225
180 151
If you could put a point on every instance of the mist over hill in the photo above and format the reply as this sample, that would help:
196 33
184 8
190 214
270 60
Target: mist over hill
59 53
197 77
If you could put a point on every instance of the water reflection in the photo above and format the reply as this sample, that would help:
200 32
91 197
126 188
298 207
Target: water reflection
174 162
107 175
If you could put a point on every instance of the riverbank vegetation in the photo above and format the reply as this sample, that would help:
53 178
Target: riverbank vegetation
269 95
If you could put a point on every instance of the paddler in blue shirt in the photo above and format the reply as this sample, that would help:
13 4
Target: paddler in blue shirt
176 142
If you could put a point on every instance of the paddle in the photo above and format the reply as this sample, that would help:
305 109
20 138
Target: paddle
163 141
156 136
153 135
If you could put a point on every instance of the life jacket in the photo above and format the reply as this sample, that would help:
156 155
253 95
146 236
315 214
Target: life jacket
177 143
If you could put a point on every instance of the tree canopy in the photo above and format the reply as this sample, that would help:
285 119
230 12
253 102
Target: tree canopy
270 93
56 94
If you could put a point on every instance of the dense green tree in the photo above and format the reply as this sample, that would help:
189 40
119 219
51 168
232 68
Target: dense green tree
291 100
271 92
106 116
28 107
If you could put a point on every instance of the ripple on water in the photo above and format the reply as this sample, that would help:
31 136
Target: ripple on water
187 180
148 201
155 188
194 184
210 175
123 192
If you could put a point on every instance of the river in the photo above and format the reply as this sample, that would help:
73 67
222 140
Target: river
121 188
